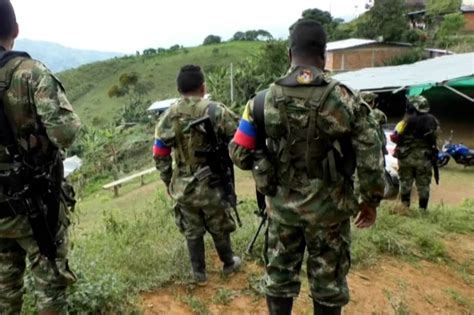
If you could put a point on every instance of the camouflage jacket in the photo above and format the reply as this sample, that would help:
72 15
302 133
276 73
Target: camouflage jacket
416 136
341 118
36 97
175 146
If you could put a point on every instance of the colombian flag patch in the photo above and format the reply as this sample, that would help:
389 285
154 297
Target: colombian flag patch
246 135
160 149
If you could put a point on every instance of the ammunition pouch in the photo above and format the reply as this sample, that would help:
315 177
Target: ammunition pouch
264 175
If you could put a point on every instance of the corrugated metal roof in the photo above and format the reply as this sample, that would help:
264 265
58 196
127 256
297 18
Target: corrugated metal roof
348 43
162 105
431 71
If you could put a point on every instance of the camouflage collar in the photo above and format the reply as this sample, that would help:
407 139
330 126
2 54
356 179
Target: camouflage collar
302 75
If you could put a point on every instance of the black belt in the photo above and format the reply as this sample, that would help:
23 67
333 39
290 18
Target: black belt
11 208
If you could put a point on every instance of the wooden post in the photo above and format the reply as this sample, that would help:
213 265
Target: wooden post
142 179
116 191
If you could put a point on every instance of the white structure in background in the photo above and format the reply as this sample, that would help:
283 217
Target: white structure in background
71 164
161 106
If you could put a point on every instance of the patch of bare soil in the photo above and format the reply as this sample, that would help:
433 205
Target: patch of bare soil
389 287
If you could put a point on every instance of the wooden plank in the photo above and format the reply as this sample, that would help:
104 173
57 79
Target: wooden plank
128 178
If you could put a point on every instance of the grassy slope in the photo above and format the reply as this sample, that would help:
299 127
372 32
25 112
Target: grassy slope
87 86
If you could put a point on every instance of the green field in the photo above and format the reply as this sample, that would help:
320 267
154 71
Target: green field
87 86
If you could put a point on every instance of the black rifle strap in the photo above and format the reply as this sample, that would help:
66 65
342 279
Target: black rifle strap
259 118
211 110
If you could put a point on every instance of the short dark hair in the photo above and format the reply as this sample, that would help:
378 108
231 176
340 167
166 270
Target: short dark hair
190 79
307 38
7 19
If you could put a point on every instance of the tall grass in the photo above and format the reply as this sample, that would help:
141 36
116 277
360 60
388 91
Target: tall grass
129 254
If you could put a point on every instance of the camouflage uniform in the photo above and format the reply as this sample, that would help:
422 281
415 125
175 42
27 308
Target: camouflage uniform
416 137
200 206
312 201
34 93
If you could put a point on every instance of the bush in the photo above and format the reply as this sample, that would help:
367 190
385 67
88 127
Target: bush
212 39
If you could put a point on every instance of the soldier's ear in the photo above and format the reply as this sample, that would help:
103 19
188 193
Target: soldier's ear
203 89
16 31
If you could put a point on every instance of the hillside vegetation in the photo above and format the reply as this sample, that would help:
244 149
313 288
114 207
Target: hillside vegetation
87 86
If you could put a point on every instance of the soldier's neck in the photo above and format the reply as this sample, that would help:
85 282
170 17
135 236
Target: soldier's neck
193 94
307 62
6 44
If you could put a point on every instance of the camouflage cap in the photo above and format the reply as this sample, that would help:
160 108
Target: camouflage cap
420 103
368 96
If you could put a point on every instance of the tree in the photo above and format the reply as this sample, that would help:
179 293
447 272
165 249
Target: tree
212 39
133 90
325 18
149 52
452 24
440 7
238 36
386 19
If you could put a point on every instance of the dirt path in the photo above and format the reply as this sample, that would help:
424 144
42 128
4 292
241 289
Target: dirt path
389 287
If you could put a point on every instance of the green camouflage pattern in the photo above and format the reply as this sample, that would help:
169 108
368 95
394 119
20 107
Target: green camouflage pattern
311 209
379 116
328 261
198 206
420 103
16 245
34 90
415 168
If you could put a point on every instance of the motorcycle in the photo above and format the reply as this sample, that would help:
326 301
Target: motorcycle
458 151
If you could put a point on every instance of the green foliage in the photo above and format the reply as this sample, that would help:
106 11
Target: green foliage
451 25
223 296
252 35
212 39
198 306
386 19
252 74
87 86
329 23
411 56
133 90
440 7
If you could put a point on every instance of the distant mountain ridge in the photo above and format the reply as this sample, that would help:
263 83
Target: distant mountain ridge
58 57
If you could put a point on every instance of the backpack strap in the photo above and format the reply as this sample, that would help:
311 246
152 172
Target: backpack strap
313 134
258 114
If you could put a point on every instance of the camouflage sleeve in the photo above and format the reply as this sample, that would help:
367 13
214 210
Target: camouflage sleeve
242 146
227 121
163 142
52 107
343 114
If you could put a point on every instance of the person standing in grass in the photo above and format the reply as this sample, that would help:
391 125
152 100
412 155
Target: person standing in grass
303 138
37 122
416 139
200 206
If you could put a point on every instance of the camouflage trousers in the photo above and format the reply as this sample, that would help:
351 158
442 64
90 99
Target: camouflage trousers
16 245
328 261
415 170
194 222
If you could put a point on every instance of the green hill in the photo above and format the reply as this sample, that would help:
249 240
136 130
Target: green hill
87 85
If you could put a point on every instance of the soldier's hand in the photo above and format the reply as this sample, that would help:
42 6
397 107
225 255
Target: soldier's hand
366 217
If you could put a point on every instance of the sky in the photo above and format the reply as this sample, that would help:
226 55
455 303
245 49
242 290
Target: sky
130 25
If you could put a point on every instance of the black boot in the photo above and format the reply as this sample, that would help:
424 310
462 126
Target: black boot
320 309
405 198
224 250
198 259
279 305
423 203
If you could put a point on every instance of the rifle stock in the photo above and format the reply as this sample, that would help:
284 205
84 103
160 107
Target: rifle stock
218 160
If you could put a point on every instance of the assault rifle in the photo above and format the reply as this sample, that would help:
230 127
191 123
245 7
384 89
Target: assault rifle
219 162
262 213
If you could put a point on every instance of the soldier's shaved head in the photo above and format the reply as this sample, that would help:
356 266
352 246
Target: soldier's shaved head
307 39
190 79
8 25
